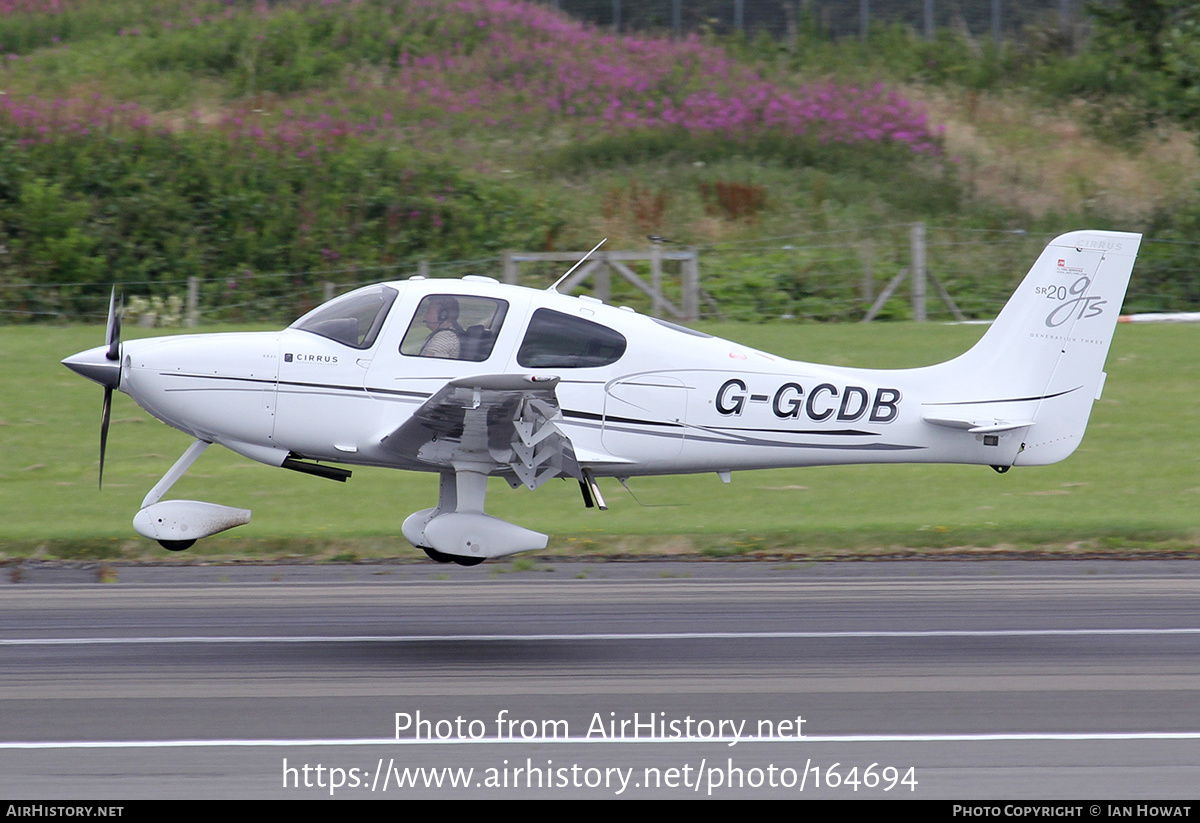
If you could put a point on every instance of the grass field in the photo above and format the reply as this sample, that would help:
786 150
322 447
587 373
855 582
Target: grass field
1134 483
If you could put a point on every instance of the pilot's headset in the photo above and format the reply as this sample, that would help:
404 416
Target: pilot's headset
447 310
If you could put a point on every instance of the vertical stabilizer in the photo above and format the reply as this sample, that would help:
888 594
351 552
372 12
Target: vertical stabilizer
1042 360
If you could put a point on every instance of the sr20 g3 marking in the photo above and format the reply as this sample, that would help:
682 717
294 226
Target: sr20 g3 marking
1074 297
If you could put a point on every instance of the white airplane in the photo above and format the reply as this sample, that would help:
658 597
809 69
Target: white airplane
472 378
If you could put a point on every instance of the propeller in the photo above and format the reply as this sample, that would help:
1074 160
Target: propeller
113 341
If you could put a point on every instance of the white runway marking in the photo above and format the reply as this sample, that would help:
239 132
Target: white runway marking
630 636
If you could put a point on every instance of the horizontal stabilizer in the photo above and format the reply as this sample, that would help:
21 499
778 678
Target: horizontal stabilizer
978 426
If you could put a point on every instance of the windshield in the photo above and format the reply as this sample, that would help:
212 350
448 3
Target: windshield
353 319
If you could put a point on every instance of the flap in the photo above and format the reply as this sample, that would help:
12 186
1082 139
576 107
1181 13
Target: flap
497 422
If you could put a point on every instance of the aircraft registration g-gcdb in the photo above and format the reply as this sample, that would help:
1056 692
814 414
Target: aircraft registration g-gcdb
472 378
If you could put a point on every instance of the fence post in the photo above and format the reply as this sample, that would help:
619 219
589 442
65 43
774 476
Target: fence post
192 315
423 268
656 276
510 267
328 291
691 284
603 278
868 278
918 272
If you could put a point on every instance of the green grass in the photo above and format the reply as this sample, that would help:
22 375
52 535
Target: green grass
1134 482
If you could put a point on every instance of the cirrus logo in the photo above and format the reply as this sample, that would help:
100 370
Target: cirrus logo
330 359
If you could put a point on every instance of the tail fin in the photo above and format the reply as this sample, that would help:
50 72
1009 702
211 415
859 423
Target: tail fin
1041 362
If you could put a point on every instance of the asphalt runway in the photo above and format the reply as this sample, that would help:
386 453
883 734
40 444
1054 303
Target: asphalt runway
980 680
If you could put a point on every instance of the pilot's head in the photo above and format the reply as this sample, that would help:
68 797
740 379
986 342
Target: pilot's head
441 313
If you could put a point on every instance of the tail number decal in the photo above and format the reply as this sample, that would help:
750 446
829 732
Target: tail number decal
823 402
1073 302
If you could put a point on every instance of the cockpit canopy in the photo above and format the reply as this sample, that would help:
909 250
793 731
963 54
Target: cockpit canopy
463 326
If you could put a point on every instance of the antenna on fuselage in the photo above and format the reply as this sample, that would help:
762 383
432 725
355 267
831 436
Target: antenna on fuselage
567 274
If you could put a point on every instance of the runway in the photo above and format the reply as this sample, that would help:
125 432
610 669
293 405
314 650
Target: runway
972 681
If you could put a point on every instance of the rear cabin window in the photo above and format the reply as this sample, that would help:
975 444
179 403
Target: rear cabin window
353 319
561 341
454 327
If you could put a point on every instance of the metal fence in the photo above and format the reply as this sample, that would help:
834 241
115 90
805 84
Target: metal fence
1001 19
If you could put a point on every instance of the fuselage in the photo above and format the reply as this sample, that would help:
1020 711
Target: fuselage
638 395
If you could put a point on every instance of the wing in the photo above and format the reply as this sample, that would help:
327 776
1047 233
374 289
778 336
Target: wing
497 423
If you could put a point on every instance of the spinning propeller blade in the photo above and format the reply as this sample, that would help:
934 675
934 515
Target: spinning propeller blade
112 337
113 341
104 416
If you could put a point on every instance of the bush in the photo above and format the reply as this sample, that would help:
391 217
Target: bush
146 206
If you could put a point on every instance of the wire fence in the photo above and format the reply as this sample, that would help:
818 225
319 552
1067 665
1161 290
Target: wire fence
833 276
1001 19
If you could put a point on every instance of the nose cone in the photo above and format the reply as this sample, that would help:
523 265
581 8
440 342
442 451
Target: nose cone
95 365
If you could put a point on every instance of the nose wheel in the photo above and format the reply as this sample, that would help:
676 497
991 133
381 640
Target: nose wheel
176 545
442 557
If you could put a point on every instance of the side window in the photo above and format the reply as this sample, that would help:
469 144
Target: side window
561 341
454 327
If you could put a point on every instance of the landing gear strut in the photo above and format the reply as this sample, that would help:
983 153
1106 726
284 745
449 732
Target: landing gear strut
178 524
458 531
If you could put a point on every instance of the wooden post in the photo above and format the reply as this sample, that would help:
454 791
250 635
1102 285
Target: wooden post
892 285
510 268
329 290
868 278
423 268
691 284
918 272
192 315
656 278
603 288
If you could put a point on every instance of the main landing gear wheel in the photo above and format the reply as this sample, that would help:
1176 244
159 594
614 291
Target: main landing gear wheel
442 557
176 545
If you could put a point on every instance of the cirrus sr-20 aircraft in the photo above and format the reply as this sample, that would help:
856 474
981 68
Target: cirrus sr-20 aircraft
472 378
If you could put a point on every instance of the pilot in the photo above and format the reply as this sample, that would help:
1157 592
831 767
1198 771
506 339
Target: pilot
441 318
